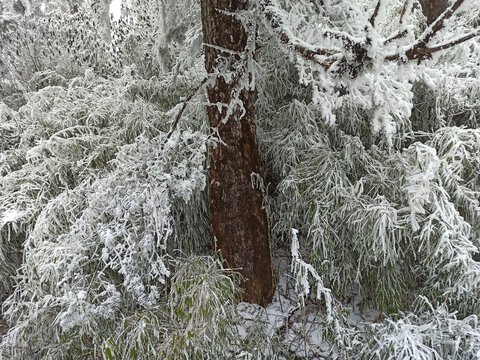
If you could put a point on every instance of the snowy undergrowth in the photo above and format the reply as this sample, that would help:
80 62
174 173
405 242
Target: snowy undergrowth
92 189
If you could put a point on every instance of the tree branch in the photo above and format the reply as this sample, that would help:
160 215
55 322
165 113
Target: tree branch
419 49
397 36
180 113
404 10
421 53
309 53
455 42
375 14
438 24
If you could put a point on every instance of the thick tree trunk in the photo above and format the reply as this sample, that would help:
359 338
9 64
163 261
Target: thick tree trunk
239 224
432 9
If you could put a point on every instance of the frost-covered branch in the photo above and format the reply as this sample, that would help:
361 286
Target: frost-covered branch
318 55
357 54
420 50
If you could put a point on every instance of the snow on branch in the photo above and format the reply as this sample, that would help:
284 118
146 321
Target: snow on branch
302 270
419 49
356 53
318 55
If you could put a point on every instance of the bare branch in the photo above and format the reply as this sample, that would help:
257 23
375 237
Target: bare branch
404 10
375 13
180 113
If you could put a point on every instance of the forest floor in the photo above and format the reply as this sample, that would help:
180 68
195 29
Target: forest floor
299 325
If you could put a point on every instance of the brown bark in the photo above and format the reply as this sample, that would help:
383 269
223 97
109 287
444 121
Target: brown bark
432 9
239 225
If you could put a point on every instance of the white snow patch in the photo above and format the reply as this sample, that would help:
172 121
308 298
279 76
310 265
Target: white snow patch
116 9
10 216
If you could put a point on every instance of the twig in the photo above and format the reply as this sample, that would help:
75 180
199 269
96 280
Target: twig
304 328
398 35
375 13
180 113
422 52
404 10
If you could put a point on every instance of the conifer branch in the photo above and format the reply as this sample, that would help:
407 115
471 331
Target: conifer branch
306 52
417 51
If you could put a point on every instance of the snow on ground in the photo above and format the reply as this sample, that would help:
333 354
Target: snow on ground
299 328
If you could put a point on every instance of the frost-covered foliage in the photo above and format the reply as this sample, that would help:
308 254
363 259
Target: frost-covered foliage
372 170
196 322
371 161
93 186
164 35
369 215
426 333
53 49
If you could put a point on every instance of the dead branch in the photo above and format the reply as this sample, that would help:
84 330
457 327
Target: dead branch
180 113
404 10
375 13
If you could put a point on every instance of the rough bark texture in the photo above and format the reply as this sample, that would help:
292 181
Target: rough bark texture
239 224
432 9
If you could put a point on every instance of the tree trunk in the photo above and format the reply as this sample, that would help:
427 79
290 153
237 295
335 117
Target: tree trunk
101 13
432 9
239 225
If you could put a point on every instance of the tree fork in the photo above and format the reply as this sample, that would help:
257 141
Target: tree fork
239 225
